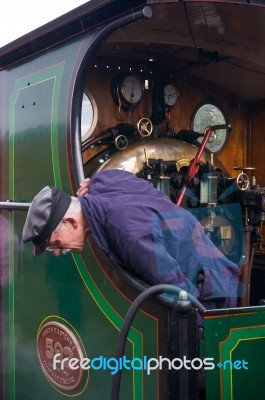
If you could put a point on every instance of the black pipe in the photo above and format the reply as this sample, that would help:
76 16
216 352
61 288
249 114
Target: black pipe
102 33
120 129
128 321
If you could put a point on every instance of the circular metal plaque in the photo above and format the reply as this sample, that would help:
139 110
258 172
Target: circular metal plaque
54 338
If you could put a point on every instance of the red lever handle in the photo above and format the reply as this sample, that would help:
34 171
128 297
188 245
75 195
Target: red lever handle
195 163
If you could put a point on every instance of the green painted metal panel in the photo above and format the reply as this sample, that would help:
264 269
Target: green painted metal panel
235 339
73 289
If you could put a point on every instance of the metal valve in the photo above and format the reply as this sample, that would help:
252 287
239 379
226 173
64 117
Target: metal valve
121 142
242 180
144 127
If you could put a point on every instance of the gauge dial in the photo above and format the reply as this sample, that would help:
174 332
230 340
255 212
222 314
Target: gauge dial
127 90
131 89
170 95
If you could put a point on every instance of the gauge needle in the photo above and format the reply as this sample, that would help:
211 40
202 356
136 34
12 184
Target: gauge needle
132 94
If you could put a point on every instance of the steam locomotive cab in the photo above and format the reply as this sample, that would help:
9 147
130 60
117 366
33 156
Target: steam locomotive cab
172 91
230 210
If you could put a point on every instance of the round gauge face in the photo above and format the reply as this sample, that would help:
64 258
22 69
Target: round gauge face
206 116
170 95
131 89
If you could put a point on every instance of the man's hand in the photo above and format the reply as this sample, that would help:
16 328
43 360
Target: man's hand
84 187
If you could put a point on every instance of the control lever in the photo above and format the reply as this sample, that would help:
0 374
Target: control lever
195 163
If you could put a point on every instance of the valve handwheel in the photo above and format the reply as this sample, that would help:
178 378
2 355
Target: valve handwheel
145 127
121 142
242 181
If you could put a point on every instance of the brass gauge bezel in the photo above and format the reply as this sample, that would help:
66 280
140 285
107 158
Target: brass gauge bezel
128 90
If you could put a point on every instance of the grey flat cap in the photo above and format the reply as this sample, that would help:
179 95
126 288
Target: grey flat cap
45 213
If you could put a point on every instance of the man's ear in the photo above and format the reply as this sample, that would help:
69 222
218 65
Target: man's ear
70 220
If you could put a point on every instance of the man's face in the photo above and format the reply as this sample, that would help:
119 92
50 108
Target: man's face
68 236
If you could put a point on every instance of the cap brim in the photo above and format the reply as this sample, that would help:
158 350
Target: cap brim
39 248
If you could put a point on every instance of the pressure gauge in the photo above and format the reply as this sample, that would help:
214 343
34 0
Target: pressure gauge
128 91
170 95
131 89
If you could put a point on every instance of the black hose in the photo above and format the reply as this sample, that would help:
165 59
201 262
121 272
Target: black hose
115 390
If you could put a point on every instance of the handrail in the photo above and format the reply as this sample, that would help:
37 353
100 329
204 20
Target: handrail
12 206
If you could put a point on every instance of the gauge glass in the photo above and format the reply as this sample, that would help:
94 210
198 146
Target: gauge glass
132 89
170 95
206 116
